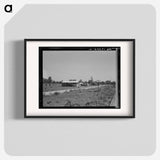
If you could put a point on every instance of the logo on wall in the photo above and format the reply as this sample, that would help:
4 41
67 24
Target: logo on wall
8 8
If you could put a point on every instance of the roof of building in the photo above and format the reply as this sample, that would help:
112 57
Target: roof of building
70 81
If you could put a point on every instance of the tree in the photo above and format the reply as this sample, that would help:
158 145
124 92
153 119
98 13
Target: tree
45 80
49 79
91 79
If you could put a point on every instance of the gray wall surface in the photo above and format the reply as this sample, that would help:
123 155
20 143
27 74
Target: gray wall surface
81 136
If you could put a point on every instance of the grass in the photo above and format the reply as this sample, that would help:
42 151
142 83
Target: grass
99 96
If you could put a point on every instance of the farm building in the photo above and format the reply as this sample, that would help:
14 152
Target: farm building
71 83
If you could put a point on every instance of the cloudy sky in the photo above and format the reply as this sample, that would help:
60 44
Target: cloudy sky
65 65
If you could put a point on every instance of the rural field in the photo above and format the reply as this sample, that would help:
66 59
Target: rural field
78 96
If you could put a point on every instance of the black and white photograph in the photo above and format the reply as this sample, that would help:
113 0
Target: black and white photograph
79 77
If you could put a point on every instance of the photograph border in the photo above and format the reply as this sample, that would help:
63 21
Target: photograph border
55 48
25 76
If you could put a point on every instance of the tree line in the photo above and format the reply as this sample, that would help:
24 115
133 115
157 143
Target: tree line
90 81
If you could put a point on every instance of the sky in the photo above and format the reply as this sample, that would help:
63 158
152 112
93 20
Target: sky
65 65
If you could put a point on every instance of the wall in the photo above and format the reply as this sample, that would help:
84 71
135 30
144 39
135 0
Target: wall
81 136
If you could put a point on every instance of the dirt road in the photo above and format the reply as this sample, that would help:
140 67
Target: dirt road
68 90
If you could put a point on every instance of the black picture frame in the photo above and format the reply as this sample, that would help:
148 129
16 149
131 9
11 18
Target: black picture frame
25 76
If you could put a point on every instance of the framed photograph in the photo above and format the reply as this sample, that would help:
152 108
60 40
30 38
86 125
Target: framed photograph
79 78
